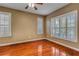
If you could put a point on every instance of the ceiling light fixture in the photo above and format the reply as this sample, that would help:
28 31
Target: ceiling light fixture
33 5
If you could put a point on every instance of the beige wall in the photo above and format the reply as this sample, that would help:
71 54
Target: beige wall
24 26
63 10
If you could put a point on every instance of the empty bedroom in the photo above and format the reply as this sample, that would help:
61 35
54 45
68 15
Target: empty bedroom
39 29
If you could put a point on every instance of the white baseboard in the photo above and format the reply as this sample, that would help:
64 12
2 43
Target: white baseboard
10 43
71 47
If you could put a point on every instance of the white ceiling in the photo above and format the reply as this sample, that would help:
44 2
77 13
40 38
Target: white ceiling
44 9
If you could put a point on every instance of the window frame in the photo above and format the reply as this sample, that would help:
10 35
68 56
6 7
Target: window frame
9 24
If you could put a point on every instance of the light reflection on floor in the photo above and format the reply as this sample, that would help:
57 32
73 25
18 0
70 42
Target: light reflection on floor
54 51
58 52
40 48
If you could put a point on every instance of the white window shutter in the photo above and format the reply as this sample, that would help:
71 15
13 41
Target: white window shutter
40 25
5 24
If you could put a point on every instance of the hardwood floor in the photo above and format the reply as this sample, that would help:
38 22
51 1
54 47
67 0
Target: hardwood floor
37 48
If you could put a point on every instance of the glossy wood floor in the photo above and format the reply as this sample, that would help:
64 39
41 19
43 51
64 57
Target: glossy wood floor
37 48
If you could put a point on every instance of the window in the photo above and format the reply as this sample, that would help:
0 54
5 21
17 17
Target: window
5 24
52 27
48 26
40 25
71 26
56 26
65 26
